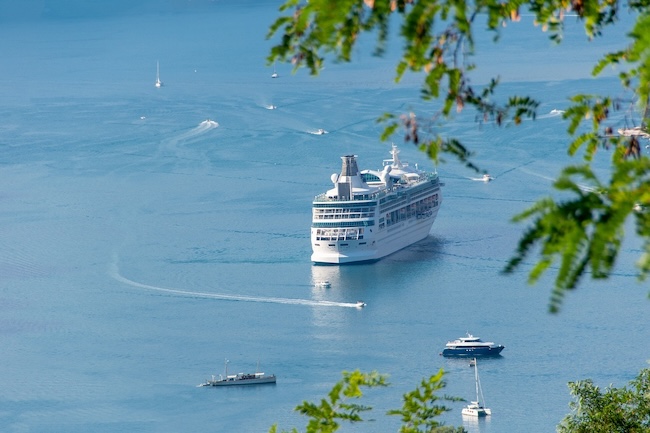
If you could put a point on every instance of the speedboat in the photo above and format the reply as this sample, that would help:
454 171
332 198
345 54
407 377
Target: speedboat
361 304
487 177
471 346
324 284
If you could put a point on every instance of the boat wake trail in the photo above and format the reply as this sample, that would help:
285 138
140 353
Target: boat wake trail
204 126
172 144
115 273
553 113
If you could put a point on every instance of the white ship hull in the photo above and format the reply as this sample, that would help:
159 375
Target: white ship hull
368 216
392 240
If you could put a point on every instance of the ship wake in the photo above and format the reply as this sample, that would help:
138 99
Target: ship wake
115 274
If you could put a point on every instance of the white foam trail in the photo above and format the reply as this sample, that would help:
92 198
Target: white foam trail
525 170
203 127
114 272
553 113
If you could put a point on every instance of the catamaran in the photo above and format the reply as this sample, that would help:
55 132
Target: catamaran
476 408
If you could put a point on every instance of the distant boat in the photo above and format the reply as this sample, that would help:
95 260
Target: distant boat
274 74
324 284
471 346
487 178
638 131
256 378
158 82
361 304
476 408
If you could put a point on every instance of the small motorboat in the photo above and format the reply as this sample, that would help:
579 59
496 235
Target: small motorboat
361 304
324 284
256 378
487 178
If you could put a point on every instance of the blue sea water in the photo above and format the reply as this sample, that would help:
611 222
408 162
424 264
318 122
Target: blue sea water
148 234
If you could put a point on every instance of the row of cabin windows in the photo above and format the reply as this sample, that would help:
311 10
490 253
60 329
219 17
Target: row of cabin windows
418 209
339 234
343 213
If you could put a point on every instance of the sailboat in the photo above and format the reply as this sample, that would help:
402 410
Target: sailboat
158 82
476 408
638 131
274 74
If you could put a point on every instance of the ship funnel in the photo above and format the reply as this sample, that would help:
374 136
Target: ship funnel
349 166
350 180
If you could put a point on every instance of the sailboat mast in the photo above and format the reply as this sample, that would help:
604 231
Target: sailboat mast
476 379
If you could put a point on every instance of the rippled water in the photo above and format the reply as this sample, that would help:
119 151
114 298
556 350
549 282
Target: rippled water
148 234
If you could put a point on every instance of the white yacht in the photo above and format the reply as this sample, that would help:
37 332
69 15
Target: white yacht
370 214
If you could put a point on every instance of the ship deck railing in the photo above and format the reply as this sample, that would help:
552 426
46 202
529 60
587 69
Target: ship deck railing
376 195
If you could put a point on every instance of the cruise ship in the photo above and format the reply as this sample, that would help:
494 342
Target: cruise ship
370 214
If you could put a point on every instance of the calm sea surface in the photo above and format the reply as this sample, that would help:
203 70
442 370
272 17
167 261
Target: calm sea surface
147 234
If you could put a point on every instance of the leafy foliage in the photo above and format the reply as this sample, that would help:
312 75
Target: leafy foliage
610 410
582 230
420 408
